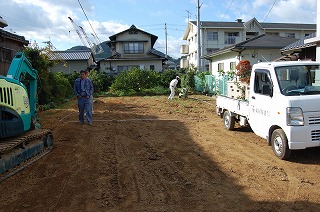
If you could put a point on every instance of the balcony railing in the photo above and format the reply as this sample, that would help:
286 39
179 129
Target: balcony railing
184 49
230 40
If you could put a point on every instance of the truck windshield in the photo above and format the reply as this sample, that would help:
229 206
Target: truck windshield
299 79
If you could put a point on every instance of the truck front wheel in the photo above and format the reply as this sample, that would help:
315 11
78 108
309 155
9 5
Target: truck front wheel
228 120
279 144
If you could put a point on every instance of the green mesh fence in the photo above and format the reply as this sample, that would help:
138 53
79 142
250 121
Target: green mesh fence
212 85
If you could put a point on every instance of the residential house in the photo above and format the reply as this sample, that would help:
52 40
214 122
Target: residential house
10 44
217 35
299 50
132 48
72 60
260 48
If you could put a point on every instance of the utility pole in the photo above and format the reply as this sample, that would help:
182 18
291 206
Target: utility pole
166 34
198 38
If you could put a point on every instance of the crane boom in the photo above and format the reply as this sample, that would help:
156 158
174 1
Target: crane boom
77 30
85 35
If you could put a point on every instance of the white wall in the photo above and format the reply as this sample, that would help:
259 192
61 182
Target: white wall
254 56
70 66
105 65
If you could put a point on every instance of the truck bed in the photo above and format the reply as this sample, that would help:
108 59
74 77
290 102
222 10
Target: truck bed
237 106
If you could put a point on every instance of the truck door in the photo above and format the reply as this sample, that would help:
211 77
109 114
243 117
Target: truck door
260 102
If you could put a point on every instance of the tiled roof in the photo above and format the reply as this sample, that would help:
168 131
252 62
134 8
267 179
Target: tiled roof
13 36
266 41
259 42
300 44
289 26
134 29
70 55
157 53
218 24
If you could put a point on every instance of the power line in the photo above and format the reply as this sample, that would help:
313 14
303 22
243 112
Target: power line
25 23
270 10
89 21
227 10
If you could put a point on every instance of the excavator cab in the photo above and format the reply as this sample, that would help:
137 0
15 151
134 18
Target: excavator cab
19 139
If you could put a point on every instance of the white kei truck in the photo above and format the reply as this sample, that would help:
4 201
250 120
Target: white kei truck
282 105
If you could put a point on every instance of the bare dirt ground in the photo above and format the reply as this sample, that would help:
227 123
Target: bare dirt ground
151 154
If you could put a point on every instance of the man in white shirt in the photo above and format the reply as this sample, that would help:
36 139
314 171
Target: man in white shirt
172 86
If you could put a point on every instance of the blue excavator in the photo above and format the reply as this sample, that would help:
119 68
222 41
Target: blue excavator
21 139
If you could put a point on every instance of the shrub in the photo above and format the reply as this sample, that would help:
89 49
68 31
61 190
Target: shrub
97 81
135 79
187 80
166 77
61 88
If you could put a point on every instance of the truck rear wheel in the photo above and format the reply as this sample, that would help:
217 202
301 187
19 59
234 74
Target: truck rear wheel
279 144
228 120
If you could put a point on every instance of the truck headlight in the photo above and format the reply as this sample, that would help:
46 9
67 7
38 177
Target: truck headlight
295 116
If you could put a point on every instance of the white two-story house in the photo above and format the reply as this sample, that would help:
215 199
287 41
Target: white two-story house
218 35
132 48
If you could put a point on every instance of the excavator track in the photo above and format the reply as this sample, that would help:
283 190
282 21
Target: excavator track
19 152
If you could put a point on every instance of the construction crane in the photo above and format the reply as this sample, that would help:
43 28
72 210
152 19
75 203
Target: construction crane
98 47
95 49
78 32
85 35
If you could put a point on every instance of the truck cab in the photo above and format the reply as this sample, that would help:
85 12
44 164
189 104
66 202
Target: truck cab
282 105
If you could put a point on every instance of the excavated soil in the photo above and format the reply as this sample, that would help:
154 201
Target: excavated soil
151 154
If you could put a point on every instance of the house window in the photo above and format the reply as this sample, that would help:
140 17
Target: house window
133 48
220 67
230 37
232 65
212 35
290 35
151 67
307 34
262 82
5 55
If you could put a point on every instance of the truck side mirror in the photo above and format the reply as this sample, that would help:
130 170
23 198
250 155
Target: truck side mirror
266 90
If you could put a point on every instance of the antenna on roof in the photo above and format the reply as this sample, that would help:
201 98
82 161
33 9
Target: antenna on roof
189 15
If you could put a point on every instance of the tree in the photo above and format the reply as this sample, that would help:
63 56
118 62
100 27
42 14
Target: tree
52 87
42 64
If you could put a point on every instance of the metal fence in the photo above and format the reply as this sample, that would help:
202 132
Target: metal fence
212 85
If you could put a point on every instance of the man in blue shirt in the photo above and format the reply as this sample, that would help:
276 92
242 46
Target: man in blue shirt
83 89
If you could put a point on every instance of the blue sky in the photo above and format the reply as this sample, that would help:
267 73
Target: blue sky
47 20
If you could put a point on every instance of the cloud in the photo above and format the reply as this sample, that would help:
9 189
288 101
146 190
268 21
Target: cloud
41 21
173 46
294 11
283 11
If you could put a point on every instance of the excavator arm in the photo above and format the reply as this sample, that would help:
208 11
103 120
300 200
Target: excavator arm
21 70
